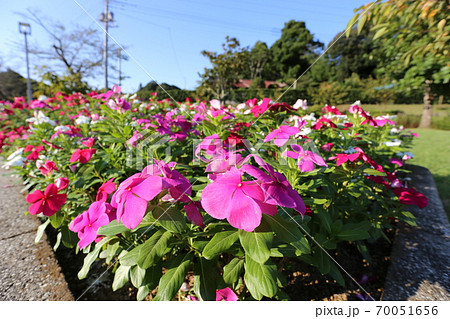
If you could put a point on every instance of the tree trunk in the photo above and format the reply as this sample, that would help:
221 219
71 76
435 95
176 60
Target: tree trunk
427 113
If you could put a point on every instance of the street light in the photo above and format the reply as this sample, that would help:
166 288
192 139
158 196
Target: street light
25 28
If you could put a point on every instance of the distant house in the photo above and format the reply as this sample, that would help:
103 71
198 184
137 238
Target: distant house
267 84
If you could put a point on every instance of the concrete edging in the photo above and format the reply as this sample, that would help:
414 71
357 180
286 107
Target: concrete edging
420 255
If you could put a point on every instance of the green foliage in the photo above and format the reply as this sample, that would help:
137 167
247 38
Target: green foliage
12 84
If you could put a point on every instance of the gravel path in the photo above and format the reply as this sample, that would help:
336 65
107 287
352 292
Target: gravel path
28 271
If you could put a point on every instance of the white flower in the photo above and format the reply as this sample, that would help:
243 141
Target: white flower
15 159
393 143
305 131
62 128
42 98
300 104
40 118
18 152
310 117
82 120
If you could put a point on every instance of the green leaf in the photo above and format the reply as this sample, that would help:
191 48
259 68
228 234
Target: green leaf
205 279
219 243
142 293
173 278
322 261
288 232
371 171
260 279
40 231
91 257
113 228
409 218
256 244
380 33
170 218
153 249
361 22
350 25
56 220
137 275
120 277
336 274
69 238
325 218
233 270
355 231
130 258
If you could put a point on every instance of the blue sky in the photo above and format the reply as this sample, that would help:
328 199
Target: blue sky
165 38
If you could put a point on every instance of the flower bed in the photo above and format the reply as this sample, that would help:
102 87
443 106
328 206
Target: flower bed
224 196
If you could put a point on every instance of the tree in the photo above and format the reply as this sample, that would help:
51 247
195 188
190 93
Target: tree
12 84
294 52
226 69
414 36
74 53
259 55
353 54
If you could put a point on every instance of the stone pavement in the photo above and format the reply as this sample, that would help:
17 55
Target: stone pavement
28 271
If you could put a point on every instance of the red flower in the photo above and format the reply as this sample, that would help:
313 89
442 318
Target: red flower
48 202
410 196
83 156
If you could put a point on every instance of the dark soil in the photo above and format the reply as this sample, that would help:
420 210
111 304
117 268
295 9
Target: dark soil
307 283
304 282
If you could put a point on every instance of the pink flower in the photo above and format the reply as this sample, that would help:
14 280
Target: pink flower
47 202
88 223
261 108
193 214
82 155
282 134
132 196
327 147
107 188
61 183
89 142
331 109
46 168
226 294
396 161
306 159
277 189
133 140
240 202
323 122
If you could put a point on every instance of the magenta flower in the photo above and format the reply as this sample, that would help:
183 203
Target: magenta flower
226 294
46 168
107 188
89 142
61 183
133 140
87 224
277 189
132 196
306 159
193 214
47 202
409 196
327 147
240 202
282 134
83 156
260 108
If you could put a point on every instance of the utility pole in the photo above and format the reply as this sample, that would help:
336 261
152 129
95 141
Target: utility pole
119 53
106 17
25 28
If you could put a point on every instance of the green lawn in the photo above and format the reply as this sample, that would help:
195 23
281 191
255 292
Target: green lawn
432 150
